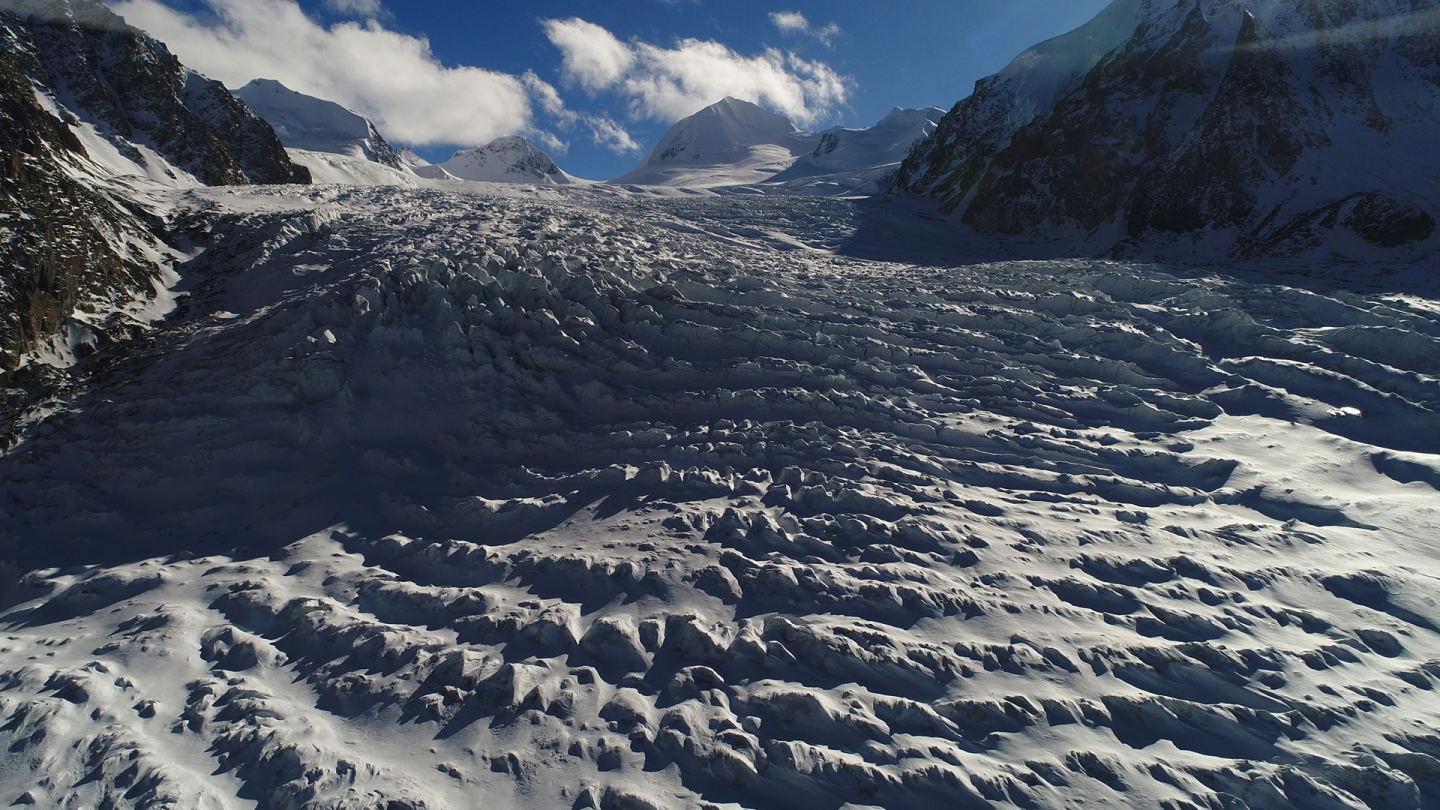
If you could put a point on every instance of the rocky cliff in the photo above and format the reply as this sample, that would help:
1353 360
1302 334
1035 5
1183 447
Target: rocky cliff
1239 127
63 244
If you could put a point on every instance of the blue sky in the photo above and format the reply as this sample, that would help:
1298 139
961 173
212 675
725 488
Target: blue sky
598 83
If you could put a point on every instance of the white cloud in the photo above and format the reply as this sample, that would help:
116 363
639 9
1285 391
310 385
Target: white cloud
392 78
611 135
668 84
357 8
594 58
793 22
790 22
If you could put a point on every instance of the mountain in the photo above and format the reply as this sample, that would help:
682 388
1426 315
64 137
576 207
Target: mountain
735 143
316 125
731 142
88 100
66 245
1258 128
505 160
137 97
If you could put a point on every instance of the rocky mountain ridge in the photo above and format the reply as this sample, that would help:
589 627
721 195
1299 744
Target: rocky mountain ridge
64 242
132 89
1233 127
80 254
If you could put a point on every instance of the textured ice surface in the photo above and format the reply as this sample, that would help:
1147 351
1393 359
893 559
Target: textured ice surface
562 500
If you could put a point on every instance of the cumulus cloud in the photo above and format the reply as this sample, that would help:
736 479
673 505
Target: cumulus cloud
609 134
668 84
356 8
392 78
593 57
793 22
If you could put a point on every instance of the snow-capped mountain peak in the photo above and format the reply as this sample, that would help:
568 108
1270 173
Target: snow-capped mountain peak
731 142
734 142
315 124
511 159
719 131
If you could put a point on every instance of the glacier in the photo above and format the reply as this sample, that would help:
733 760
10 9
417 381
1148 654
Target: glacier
564 497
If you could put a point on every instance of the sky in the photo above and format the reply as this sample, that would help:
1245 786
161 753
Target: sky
597 84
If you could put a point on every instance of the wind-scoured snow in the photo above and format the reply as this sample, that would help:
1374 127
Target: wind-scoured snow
557 498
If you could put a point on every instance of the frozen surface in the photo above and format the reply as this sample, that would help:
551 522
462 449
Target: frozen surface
548 498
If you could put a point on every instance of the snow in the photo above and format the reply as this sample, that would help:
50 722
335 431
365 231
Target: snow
731 142
567 497
1037 78
329 167
105 158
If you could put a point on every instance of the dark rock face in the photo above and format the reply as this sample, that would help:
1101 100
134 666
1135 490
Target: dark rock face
60 250
133 89
1256 127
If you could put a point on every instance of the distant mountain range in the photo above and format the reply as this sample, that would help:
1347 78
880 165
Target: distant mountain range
1218 127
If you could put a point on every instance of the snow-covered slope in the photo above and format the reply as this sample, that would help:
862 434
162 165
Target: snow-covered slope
332 167
1222 127
316 125
855 161
511 159
549 497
